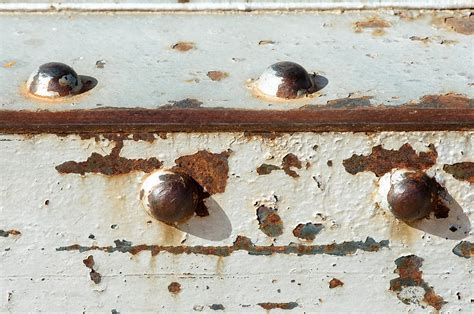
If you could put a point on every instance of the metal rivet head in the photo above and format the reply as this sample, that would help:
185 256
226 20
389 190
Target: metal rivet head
54 79
170 197
287 80
411 195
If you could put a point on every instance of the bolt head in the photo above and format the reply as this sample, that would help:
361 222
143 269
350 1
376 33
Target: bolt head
168 196
411 196
54 79
287 80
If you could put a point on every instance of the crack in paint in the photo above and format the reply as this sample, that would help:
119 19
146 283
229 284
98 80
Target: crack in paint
242 243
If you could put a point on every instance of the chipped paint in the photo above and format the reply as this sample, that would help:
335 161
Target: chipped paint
289 161
307 231
334 283
242 243
94 275
463 25
381 160
11 232
461 171
269 221
410 275
464 249
264 169
282 306
217 75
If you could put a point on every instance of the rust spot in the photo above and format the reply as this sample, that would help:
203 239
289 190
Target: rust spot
410 275
210 170
94 275
382 161
10 232
9 64
174 287
463 25
267 169
217 75
374 22
449 100
146 137
461 171
464 249
241 243
269 221
188 103
334 283
307 231
183 46
111 164
291 161
282 306
266 42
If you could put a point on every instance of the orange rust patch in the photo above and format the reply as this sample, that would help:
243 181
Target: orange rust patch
210 170
335 283
111 164
410 275
291 161
282 306
183 46
217 75
382 161
461 171
463 25
449 100
374 22
89 261
7 233
174 288
9 64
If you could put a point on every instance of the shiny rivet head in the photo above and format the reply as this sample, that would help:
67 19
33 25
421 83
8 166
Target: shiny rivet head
170 197
287 80
54 79
411 195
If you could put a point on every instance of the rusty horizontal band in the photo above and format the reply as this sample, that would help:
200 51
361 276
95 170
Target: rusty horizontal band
230 120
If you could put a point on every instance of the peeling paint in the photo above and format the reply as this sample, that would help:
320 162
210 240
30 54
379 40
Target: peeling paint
464 249
242 243
289 161
269 221
109 165
410 275
334 283
382 161
210 170
461 171
11 232
307 231
94 275
282 306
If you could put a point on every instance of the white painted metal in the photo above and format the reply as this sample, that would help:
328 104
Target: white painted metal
142 70
36 277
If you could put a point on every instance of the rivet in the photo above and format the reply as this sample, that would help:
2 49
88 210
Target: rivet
54 79
168 196
411 195
287 80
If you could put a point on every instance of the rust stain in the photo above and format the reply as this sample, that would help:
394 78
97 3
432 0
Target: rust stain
217 75
464 249
94 275
269 221
111 164
374 22
291 161
410 275
282 306
463 25
188 103
9 64
10 232
307 231
241 243
381 161
210 170
461 171
449 100
349 102
334 283
183 46
266 169
174 287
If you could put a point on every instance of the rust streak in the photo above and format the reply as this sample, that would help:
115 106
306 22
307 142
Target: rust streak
381 161
461 171
282 306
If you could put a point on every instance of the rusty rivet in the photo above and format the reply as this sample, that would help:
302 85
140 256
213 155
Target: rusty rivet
169 196
411 195
287 80
54 79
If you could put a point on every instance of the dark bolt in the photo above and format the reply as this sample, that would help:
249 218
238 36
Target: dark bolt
412 196
286 80
171 197
54 79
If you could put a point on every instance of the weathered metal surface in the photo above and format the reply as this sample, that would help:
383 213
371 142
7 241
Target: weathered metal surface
82 240
149 60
